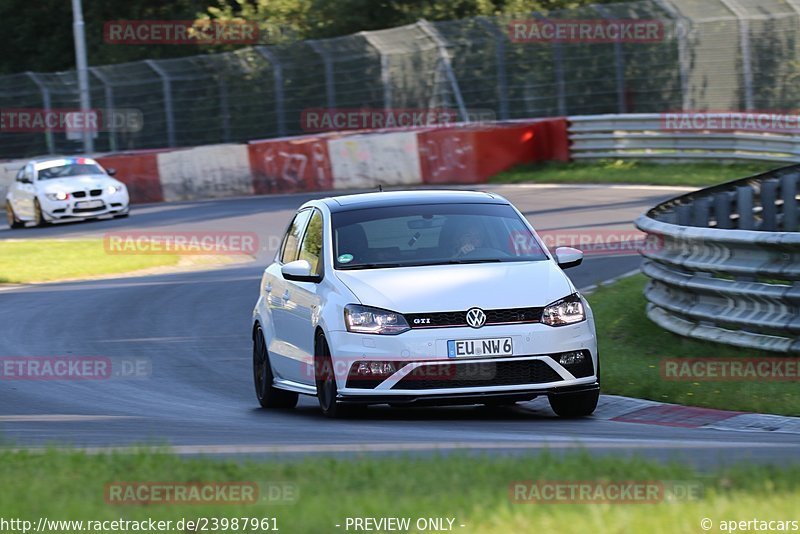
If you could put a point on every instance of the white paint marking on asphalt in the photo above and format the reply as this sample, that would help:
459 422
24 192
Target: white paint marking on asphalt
60 418
167 339
124 282
11 287
186 450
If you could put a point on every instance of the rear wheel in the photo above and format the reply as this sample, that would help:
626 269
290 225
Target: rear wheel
12 218
578 404
268 396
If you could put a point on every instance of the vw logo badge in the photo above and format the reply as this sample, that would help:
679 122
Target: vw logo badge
476 318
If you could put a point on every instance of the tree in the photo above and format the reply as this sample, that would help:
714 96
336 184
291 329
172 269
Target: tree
42 40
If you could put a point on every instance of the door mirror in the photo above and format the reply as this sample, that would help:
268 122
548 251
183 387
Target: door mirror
111 172
299 271
567 257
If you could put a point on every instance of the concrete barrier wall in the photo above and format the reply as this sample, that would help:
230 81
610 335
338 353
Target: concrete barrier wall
205 172
363 161
139 171
290 165
473 155
8 173
460 154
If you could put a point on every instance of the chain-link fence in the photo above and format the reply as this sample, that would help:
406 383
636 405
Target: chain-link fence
710 55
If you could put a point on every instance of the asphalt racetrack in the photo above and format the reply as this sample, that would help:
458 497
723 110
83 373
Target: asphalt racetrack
194 328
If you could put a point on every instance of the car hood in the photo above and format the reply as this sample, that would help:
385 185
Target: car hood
459 287
77 183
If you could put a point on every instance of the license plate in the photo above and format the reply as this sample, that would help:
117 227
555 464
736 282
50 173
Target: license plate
89 204
471 348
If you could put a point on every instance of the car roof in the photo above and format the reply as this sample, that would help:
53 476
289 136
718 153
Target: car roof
45 163
405 198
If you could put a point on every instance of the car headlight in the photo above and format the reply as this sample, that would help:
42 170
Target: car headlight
111 189
568 310
368 320
59 195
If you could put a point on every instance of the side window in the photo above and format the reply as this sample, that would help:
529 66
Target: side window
28 172
20 174
311 248
292 240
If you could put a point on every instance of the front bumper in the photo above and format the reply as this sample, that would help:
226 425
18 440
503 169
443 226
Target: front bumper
457 397
426 371
76 208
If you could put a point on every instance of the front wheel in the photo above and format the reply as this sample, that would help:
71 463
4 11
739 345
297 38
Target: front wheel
325 378
268 395
38 216
12 218
578 404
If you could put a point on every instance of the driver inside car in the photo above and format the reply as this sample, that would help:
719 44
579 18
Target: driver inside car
471 238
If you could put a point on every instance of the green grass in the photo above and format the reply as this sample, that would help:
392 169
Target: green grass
473 490
631 172
42 260
631 348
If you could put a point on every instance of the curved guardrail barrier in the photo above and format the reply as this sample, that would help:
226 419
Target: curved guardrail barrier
656 136
724 262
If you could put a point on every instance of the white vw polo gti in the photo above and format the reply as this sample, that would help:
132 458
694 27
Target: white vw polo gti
421 298
57 189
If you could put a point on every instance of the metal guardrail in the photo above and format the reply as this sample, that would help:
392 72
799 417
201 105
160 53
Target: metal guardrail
649 136
724 262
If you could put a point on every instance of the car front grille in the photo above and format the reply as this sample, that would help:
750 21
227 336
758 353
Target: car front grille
478 374
88 210
459 318
82 194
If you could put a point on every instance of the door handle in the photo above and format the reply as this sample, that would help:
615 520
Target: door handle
268 287
286 296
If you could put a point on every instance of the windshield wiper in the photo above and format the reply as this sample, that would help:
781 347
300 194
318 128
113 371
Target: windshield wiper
462 261
371 266
483 260
417 264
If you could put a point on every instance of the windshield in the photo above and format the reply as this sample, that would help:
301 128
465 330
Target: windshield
405 236
72 169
